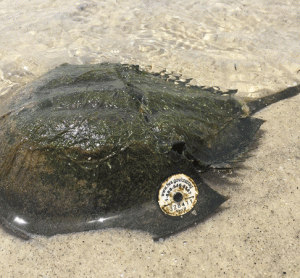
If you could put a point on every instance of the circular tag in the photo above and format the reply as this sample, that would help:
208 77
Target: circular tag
177 195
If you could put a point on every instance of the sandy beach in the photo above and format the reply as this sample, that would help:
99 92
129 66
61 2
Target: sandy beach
246 45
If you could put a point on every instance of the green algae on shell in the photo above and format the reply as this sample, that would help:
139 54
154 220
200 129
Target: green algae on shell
91 141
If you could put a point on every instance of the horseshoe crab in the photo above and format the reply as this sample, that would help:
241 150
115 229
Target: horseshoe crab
89 147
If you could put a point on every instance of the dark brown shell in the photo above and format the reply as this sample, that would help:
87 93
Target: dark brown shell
98 139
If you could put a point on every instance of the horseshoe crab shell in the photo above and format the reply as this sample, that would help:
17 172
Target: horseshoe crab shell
93 146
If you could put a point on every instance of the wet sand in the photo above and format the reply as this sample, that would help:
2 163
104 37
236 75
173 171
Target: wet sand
241 45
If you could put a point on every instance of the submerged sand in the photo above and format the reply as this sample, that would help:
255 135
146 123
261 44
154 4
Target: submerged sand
245 45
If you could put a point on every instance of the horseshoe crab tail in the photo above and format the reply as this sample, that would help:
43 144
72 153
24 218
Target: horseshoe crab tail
258 104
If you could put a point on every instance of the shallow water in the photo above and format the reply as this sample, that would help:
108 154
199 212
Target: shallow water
245 45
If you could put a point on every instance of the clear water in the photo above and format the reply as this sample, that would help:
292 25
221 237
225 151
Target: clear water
252 46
